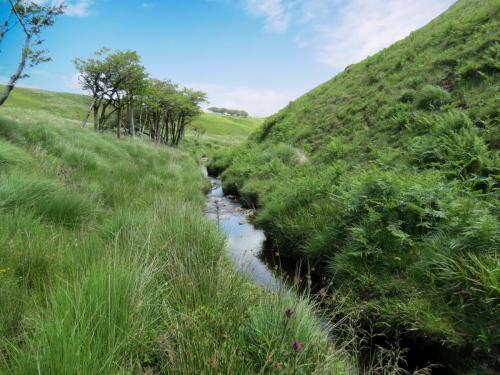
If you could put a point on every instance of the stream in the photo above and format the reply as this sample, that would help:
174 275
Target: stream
244 242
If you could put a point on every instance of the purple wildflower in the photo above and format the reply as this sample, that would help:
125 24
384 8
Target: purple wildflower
297 346
289 313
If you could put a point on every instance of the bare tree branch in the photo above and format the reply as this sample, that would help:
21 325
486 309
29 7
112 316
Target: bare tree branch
15 77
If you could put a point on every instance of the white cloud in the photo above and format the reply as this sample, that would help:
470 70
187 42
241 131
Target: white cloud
72 83
78 8
147 5
316 9
367 26
257 101
276 13
346 31
73 8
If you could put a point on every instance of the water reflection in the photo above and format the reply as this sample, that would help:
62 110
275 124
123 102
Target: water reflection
244 241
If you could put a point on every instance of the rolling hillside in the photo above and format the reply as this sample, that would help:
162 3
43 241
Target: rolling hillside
386 179
74 106
214 124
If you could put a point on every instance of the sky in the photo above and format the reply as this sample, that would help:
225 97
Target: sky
254 55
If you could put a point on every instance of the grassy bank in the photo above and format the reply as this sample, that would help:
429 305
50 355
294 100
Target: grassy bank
386 177
107 264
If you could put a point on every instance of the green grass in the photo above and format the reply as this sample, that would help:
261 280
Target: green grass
386 177
210 133
108 265
214 124
207 133
61 104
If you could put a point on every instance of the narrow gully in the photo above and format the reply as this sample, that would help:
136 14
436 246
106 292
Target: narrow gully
246 246
244 242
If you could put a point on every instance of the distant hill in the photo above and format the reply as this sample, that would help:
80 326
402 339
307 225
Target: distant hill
386 179
225 125
74 106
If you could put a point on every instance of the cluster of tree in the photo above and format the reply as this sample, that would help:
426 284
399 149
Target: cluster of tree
32 17
229 112
122 90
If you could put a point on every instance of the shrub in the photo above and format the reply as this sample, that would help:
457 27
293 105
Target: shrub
408 96
471 284
219 161
453 144
334 150
432 97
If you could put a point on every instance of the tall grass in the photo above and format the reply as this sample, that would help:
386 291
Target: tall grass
107 265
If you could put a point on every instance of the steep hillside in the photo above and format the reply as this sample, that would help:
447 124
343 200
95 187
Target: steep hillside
386 178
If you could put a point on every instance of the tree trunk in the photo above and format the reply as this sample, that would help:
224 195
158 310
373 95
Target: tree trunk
131 123
119 124
141 132
102 119
15 77
178 129
96 117
166 129
152 126
157 128
145 123
87 115
167 121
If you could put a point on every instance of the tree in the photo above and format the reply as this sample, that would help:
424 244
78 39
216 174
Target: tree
228 112
93 77
188 108
32 18
114 79
118 80
166 110
126 77
133 86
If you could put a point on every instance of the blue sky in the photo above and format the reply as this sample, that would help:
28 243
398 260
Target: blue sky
255 55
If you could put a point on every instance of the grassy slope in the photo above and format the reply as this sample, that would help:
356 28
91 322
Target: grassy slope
387 175
218 133
224 125
62 104
108 266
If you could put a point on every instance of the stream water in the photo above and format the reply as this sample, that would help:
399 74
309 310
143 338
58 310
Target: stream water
244 242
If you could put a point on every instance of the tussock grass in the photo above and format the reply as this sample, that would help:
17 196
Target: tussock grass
108 265
44 197
11 155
